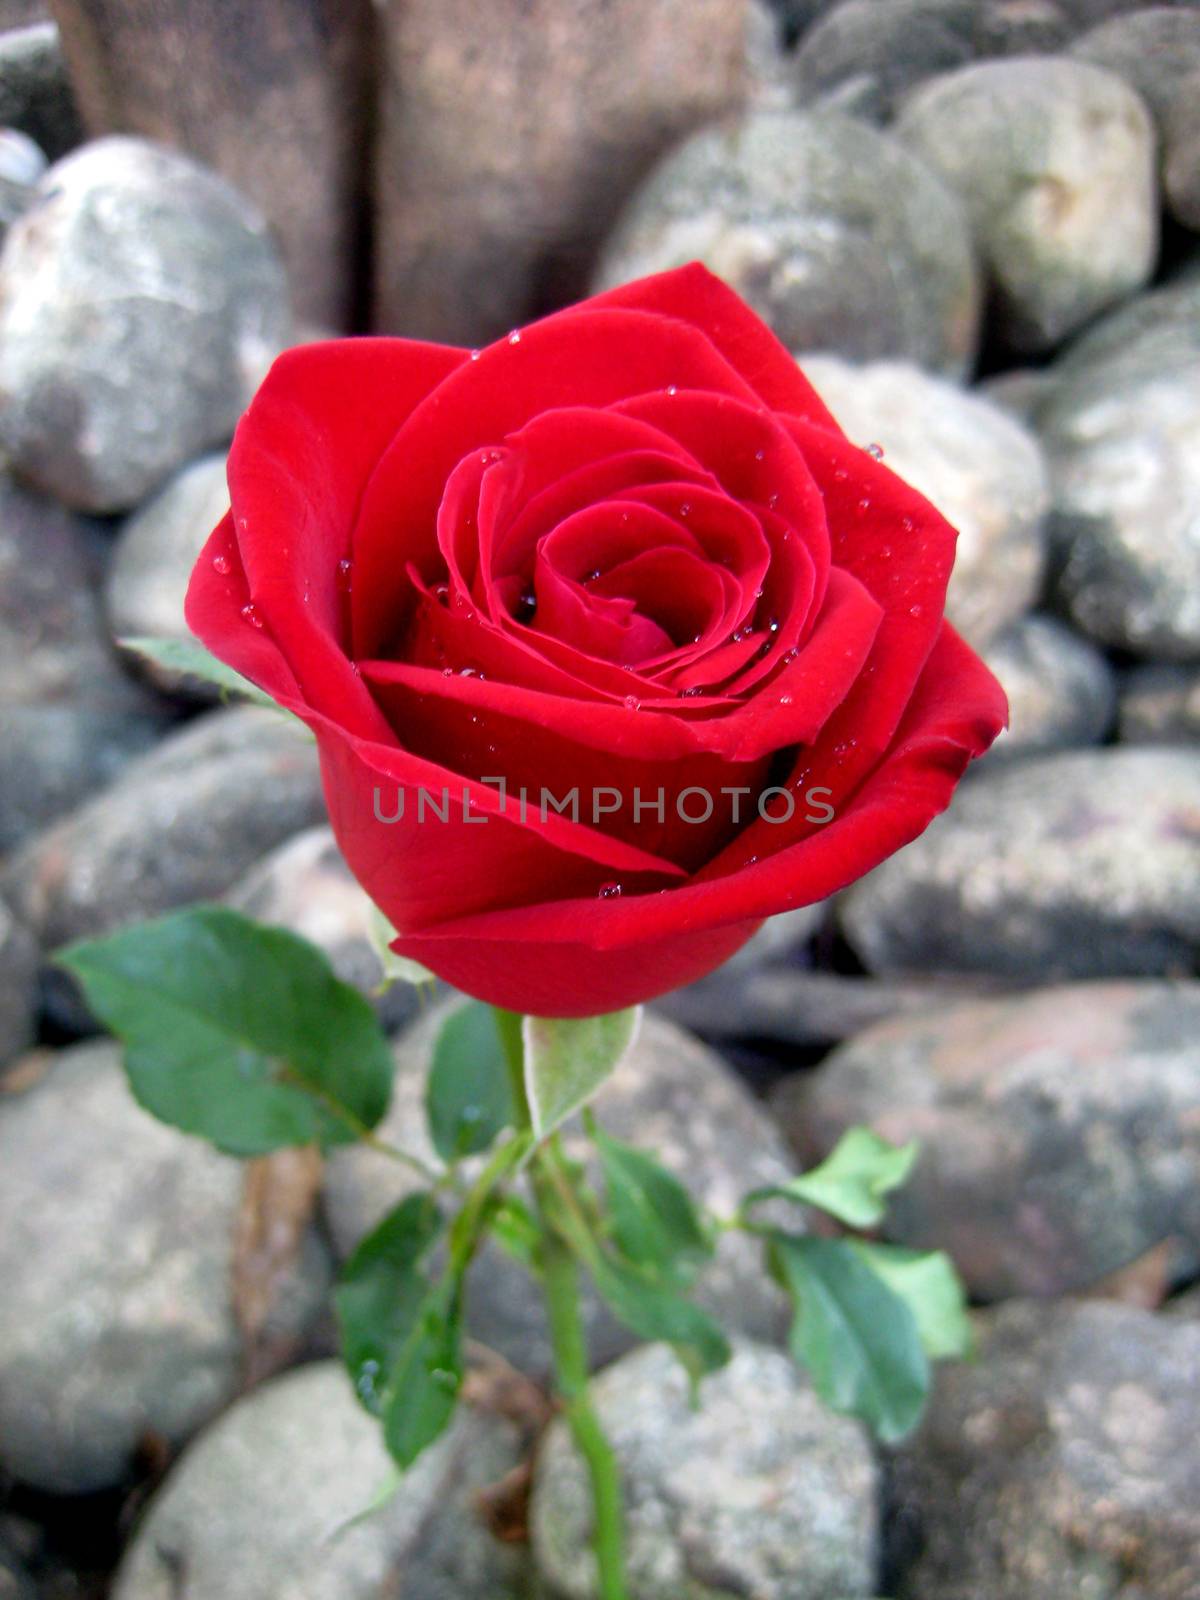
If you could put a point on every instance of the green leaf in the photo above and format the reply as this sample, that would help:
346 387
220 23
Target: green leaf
189 656
568 1058
930 1287
395 968
515 1229
424 1383
237 1032
654 1219
468 1098
858 1339
382 1293
654 1312
851 1182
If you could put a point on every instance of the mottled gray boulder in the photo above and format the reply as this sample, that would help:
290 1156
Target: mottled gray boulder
1055 162
1057 1128
863 57
1061 690
828 228
1020 391
117 1318
259 1505
152 562
1121 430
35 92
1160 705
1153 50
1181 152
1063 1461
182 823
70 716
141 301
305 885
1075 865
671 1095
760 1491
18 986
980 468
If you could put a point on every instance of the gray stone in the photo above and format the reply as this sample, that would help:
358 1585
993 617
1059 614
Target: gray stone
21 165
259 1507
35 92
828 228
1061 690
305 885
1055 162
141 300
980 468
117 1318
1153 50
1160 705
672 1095
1181 153
18 986
759 1491
766 57
1121 430
15 1582
181 824
1057 1128
152 562
1064 1461
1074 865
1020 391
863 57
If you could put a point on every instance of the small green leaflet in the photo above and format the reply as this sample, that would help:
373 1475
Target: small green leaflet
190 657
655 1223
857 1338
468 1098
928 1284
852 1181
237 1032
395 968
401 1332
653 1312
568 1058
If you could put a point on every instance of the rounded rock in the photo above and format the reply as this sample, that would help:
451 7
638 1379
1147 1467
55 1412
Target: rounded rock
141 300
117 1319
1056 1129
1055 162
1181 154
835 235
1153 50
18 986
1079 864
980 467
268 1503
1160 705
760 1490
1061 690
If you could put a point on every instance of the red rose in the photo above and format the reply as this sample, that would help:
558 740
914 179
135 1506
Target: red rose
624 555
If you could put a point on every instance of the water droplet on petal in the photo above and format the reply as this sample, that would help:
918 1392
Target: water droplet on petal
345 569
685 509
515 336
475 354
915 611
222 564
907 524
785 699
250 614
864 505
672 389
632 703
875 450
470 672
760 455
608 891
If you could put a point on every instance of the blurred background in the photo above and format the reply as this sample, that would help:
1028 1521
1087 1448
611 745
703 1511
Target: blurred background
977 225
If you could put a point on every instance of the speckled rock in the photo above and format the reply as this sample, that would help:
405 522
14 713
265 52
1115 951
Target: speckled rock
35 93
982 470
1063 1461
1055 161
1057 1128
1061 690
306 886
1181 152
760 1491
863 57
1153 50
1121 430
1075 865
183 823
830 229
141 300
259 1507
1160 705
672 1095
117 1319
18 986
152 561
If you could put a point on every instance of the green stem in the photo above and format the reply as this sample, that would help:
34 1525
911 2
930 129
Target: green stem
560 1281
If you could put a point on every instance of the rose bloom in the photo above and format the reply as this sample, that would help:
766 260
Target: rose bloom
625 551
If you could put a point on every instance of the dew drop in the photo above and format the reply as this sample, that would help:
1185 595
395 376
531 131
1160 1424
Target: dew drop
222 564
840 474
470 672
760 455
345 568
864 505
250 614
876 451
447 672
608 891
907 524
685 509
526 605
915 611
632 703
672 389
515 336
475 354
590 577
785 699
772 501
773 625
